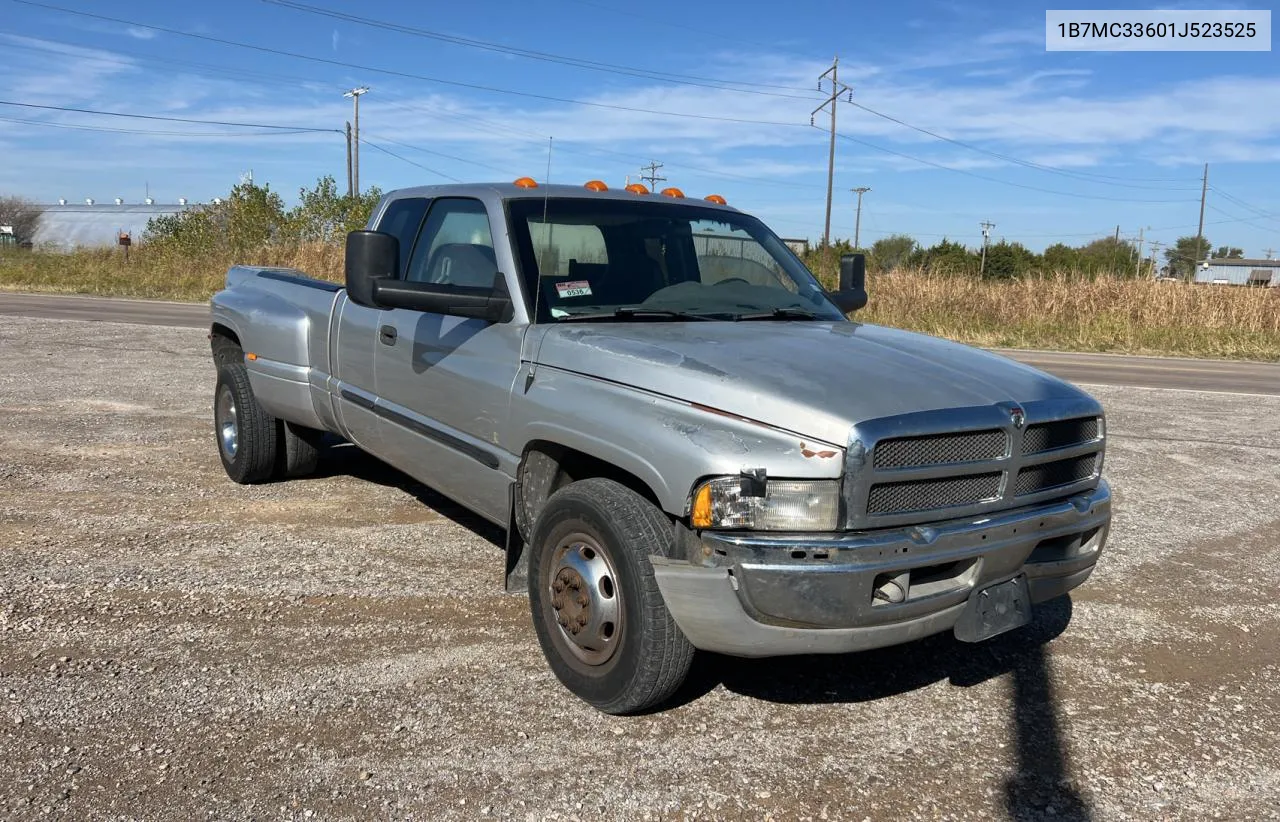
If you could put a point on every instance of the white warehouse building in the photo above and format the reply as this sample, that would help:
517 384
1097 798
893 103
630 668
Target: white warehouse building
1239 272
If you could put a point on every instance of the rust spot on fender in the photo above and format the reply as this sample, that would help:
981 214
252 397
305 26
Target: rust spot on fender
806 452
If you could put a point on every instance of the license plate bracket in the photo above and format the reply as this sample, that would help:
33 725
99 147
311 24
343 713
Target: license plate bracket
993 610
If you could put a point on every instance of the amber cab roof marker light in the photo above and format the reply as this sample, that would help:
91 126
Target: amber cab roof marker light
595 185
636 188
672 192
716 198
525 182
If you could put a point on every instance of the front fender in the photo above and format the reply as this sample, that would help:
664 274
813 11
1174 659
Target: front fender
668 444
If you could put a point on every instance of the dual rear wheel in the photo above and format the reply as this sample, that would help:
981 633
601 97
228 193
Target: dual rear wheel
253 445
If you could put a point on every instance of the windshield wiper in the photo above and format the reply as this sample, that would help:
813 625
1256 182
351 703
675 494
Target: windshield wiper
627 312
779 314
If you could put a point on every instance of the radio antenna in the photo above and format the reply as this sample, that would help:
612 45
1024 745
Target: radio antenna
542 256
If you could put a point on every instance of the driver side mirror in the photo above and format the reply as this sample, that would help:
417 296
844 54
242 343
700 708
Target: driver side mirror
371 256
853 283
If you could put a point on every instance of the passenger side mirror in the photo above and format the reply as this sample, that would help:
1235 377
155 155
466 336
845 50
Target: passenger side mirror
853 283
371 255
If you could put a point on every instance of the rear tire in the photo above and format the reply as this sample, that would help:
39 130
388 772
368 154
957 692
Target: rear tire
246 434
298 450
597 610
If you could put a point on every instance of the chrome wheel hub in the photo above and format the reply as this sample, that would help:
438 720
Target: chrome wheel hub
585 599
224 415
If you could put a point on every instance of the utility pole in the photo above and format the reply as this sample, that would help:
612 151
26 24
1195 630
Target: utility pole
1137 263
1269 252
354 94
836 90
857 225
652 176
987 225
350 185
1204 189
1156 245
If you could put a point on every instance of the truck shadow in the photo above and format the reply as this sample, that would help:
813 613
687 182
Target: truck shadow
1039 789
342 459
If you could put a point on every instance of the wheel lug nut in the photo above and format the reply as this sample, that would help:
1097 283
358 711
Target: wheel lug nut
583 600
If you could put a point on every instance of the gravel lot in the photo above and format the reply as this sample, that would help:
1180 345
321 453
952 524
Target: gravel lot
174 646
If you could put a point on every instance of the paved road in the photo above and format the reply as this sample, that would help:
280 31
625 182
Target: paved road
1105 369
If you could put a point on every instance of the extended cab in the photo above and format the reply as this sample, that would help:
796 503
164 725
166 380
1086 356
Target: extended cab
688 442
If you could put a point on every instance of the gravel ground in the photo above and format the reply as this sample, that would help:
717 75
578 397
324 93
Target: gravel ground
175 646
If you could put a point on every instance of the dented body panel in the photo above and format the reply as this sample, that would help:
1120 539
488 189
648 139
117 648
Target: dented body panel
958 469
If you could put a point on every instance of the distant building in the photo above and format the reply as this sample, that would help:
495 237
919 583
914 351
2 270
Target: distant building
800 247
1239 272
89 224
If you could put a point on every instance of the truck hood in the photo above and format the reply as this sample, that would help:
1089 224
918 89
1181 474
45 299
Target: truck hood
813 378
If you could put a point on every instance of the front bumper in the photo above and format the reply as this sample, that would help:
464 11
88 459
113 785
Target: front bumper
772 595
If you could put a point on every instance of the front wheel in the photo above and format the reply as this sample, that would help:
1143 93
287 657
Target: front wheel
597 610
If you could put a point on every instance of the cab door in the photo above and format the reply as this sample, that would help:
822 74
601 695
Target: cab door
354 336
444 382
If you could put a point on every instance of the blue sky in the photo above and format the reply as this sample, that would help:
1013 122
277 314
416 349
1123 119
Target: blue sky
1120 138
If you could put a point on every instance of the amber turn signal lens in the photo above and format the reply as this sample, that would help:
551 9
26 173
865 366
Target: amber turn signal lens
525 182
701 516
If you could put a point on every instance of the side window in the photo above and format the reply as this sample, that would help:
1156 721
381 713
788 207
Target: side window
401 220
455 246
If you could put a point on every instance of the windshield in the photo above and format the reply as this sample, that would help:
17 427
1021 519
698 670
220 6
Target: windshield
604 259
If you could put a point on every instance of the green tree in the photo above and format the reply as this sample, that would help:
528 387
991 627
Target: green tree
1185 254
888 253
324 215
1228 253
250 217
1060 257
1006 261
946 257
1108 256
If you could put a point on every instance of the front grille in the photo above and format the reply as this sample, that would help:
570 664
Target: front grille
925 495
1035 478
940 449
1050 435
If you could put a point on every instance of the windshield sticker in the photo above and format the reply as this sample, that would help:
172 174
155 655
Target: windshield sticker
574 288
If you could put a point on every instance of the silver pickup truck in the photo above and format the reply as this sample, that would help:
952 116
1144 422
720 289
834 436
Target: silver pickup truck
689 444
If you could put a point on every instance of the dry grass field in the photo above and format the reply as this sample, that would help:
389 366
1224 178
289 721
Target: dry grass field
1062 311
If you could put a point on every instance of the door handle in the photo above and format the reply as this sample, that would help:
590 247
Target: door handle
387 335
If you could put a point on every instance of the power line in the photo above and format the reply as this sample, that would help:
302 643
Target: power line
968 173
477 163
1103 178
170 119
659 21
391 153
577 62
1268 215
146 132
472 122
404 74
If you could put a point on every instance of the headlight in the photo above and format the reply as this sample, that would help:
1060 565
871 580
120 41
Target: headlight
787 505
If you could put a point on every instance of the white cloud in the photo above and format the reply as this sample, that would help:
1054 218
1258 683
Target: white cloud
138 33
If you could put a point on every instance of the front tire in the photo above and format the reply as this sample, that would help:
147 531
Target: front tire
597 610
246 434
